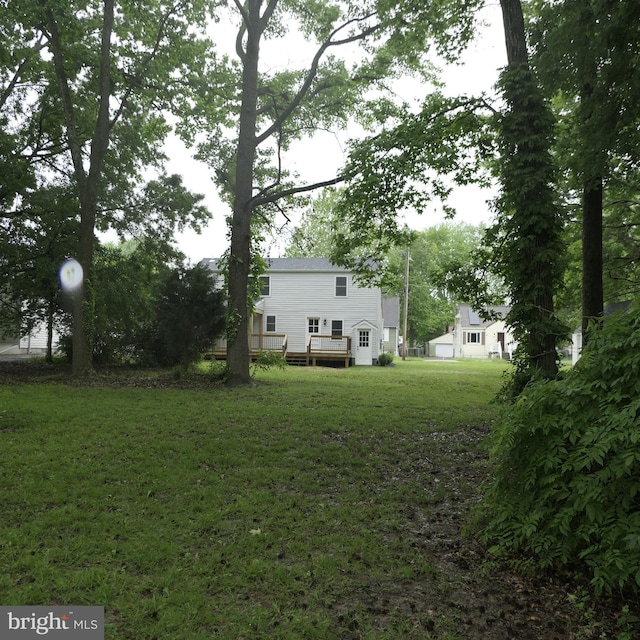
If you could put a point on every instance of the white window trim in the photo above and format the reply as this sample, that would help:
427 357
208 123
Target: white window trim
346 287
478 334
266 323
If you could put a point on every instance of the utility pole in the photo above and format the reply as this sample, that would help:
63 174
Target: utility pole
406 307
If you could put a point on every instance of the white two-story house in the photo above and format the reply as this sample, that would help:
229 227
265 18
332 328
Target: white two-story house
316 312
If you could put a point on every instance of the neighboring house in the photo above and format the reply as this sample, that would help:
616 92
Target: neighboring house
314 312
442 346
475 337
33 344
391 318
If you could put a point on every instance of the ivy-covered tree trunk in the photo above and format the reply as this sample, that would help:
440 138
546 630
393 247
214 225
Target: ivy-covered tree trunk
530 222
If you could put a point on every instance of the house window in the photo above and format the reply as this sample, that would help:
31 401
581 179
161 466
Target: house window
271 324
336 328
265 286
341 286
474 337
314 325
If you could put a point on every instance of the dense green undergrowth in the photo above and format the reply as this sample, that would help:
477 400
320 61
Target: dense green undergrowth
566 491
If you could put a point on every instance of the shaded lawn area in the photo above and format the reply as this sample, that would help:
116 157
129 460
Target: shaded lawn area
324 503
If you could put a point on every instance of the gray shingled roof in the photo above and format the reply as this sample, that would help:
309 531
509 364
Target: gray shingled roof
471 318
289 264
301 264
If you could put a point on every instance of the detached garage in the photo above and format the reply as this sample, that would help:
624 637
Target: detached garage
441 347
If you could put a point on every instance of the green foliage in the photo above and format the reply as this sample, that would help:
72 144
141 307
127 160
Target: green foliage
35 240
567 462
385 359
189 317
434 254
218 371
586 55
127 281
314 237
411 162
99 81
266 360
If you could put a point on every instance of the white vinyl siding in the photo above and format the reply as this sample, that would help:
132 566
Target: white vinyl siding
297 297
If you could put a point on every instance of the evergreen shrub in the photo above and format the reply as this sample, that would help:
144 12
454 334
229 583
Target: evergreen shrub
384 359
566 485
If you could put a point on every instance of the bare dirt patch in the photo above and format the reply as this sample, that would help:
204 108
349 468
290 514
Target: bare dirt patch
471 595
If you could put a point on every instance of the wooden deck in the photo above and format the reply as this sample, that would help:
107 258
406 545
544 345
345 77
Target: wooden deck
257 342
329 348
319 349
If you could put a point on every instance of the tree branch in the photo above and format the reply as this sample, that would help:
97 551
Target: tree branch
266 16
241 31
75 144
260 199
136 79
16 76
313 71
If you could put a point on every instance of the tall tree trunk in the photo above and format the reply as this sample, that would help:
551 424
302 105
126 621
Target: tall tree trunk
592 263
514 34
240 257
88 183
83 307
526 182
592 196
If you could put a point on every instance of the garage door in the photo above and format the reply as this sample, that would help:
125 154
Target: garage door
444 351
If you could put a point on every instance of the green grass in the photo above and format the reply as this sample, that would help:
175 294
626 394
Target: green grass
255 513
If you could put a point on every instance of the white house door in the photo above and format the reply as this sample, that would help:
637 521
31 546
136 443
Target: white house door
363 348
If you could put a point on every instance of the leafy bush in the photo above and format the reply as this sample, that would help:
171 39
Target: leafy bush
218 371
567 464
266 360
384 359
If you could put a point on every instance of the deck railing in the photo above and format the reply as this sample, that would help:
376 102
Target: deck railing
257 342
268 342
330 344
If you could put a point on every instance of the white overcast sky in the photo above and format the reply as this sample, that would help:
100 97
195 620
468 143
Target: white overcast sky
323 157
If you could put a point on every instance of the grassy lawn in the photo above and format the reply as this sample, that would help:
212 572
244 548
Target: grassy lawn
284 511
